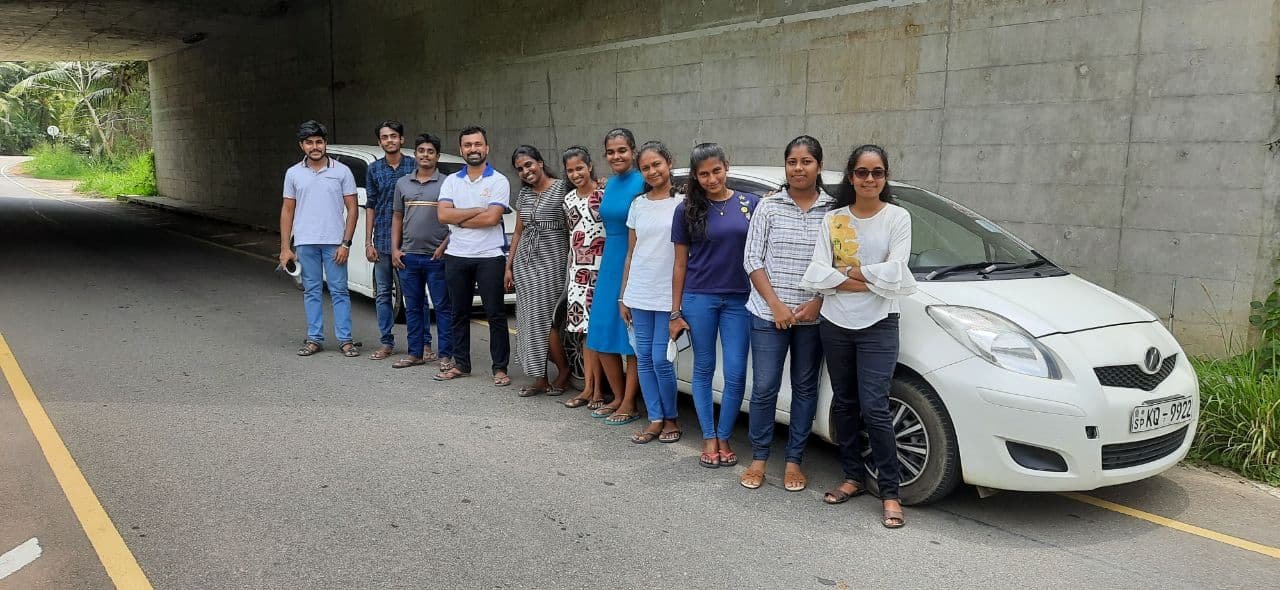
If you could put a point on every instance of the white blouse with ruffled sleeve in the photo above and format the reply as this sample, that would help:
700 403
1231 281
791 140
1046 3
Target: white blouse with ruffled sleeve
880 246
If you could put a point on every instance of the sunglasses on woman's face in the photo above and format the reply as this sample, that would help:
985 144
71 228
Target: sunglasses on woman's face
863 173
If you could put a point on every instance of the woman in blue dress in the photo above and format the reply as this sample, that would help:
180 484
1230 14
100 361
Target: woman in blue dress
608 335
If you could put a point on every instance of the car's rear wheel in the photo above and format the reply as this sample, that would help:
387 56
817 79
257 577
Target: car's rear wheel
928 455
397 298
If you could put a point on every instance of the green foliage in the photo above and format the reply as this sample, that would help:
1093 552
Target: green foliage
105 105
1240 415
131 175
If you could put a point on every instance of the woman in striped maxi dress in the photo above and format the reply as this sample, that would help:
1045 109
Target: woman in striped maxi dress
537 268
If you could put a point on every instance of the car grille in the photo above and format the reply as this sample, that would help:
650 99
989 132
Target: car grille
1133 377
1132 454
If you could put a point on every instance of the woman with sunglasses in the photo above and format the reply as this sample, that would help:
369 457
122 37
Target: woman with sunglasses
860 266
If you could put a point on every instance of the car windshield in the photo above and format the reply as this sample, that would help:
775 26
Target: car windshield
949 239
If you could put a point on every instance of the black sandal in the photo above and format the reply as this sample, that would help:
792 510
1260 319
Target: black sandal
309 347
349 349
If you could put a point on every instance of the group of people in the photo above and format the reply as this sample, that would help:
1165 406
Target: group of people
804 273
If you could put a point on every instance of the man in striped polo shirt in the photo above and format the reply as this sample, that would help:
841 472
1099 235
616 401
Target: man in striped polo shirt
418 242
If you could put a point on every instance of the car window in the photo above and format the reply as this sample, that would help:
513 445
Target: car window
681 182
943 233
448 167
358 168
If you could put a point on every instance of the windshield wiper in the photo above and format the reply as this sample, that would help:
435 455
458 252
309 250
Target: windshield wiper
982 267
1024 265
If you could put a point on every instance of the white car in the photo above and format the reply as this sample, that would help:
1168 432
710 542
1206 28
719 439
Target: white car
359 269
1013 373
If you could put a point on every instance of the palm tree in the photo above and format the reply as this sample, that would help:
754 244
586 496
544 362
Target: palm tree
86 86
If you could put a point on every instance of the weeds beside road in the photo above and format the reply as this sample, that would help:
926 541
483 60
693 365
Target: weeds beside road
125 175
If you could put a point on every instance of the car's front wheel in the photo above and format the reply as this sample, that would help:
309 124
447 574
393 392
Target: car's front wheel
397 298
928 455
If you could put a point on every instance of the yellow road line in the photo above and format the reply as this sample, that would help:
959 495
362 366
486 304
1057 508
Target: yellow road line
107 542
1176 525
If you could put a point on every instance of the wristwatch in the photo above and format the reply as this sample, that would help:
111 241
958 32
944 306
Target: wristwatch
346 244
675 315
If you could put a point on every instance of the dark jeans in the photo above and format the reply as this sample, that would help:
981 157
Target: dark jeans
861 364
769 347
382 271
422 273
463 276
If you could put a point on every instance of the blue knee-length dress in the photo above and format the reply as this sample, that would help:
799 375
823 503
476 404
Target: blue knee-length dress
608 332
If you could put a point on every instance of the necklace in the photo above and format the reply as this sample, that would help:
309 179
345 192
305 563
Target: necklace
721 206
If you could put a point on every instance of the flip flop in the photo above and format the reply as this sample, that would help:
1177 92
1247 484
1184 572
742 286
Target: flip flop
595 404
382 353
530 391
709 460
556 391
408 362
669 436
728 459
450 374
613 419
644 437
603 411
501 381
575 402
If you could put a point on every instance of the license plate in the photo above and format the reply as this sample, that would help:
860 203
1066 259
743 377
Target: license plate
1153 416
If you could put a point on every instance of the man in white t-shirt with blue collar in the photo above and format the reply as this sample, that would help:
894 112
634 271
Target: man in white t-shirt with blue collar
472 202
318 192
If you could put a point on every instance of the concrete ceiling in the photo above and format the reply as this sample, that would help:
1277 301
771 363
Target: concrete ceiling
122 30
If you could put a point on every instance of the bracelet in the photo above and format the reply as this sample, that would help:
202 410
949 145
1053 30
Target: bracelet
675 315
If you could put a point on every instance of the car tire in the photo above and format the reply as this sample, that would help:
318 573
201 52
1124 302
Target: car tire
397 298
574 345
938 474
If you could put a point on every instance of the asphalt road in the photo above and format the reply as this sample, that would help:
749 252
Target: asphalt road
224 461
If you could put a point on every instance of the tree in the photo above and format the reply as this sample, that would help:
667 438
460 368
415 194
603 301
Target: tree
97 97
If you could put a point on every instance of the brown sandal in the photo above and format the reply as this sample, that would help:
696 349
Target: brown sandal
752 479
349 349
428 354
794 481
309 347
408 362
450 374
893 519
839 496
382 353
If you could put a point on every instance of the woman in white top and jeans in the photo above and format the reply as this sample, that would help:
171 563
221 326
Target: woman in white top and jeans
646 302
860 265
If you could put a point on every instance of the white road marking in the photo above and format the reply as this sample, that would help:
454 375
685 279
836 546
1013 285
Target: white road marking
19 556
246 244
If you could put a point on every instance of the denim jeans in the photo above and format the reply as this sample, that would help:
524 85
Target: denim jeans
382 273
769 347
419 274
317 266
861 365
657 374
462 276
726 315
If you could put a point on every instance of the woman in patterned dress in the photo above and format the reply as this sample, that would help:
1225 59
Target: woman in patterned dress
586 246
536 269
608 335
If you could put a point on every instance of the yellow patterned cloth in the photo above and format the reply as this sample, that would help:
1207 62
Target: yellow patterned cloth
844 241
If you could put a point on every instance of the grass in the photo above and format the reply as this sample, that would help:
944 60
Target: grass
1240 415
130 175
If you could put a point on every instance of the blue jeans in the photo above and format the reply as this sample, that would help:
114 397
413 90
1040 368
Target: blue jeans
769 347
861 364
419 274
710 314
382 273
317 266
657 374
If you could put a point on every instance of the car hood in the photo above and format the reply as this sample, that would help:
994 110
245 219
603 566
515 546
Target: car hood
1043 305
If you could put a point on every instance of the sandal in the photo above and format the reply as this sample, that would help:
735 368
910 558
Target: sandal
408 362
620 418
839 496
893 519
446 363
382 353
752 479
450 374
669 436
728 459
556 390
309 347
709 460
502 380
349 349
428 354
794 481
530 391
595 404
576 402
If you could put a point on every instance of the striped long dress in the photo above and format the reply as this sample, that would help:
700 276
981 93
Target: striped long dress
539 270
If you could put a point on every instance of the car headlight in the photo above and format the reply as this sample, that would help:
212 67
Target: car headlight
997 340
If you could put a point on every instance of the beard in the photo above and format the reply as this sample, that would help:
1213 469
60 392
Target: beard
475 158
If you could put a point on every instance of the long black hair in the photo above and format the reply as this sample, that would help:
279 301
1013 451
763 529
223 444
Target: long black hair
535 155
815 149
844 192
696 202
662 150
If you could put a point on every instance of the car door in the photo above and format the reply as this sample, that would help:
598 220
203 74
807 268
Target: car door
359 269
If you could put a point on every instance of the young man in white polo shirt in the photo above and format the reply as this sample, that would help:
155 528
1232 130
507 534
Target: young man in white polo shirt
318 191
472 202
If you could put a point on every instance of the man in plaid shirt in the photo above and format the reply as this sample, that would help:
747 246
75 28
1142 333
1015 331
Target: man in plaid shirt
380 185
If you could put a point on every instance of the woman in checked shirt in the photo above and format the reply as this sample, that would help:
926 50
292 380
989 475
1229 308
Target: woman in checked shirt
784 317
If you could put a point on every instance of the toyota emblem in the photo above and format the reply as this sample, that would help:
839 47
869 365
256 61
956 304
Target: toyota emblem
1151 363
